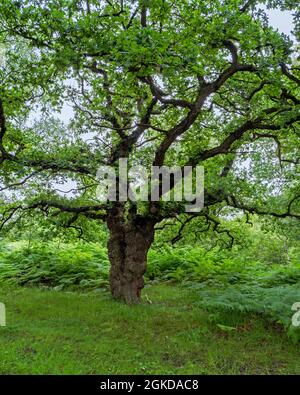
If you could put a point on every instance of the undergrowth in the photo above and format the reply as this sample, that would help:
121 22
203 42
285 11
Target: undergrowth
229 286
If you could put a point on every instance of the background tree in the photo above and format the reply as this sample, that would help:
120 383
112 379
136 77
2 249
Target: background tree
157 82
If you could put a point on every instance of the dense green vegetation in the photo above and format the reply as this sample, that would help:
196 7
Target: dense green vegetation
74 333
175 89
228 284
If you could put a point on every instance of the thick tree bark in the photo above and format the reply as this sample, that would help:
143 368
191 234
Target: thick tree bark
128 246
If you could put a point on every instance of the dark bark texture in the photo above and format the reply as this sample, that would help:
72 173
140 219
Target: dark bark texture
128 246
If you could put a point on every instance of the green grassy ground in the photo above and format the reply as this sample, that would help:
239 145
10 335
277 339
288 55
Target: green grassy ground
52 332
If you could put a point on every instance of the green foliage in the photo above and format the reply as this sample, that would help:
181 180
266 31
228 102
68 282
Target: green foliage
226 283
231 303
185 82
231 287
219 266
80 266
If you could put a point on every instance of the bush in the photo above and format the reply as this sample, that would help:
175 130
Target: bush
83 266
273 304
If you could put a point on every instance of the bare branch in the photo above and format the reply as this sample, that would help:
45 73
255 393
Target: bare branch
232 201
160 95
290 76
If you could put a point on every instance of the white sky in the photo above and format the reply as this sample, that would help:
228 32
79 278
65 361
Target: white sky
281 20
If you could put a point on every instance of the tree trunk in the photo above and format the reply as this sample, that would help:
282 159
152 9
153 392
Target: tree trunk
128 246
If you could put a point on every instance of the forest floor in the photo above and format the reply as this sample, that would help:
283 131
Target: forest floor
51 332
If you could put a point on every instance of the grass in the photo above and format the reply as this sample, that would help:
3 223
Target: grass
53 332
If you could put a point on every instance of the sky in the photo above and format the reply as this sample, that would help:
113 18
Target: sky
281 20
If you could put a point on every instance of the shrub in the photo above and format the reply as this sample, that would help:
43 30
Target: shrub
83 266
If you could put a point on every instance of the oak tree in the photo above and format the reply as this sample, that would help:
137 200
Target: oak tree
157 82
